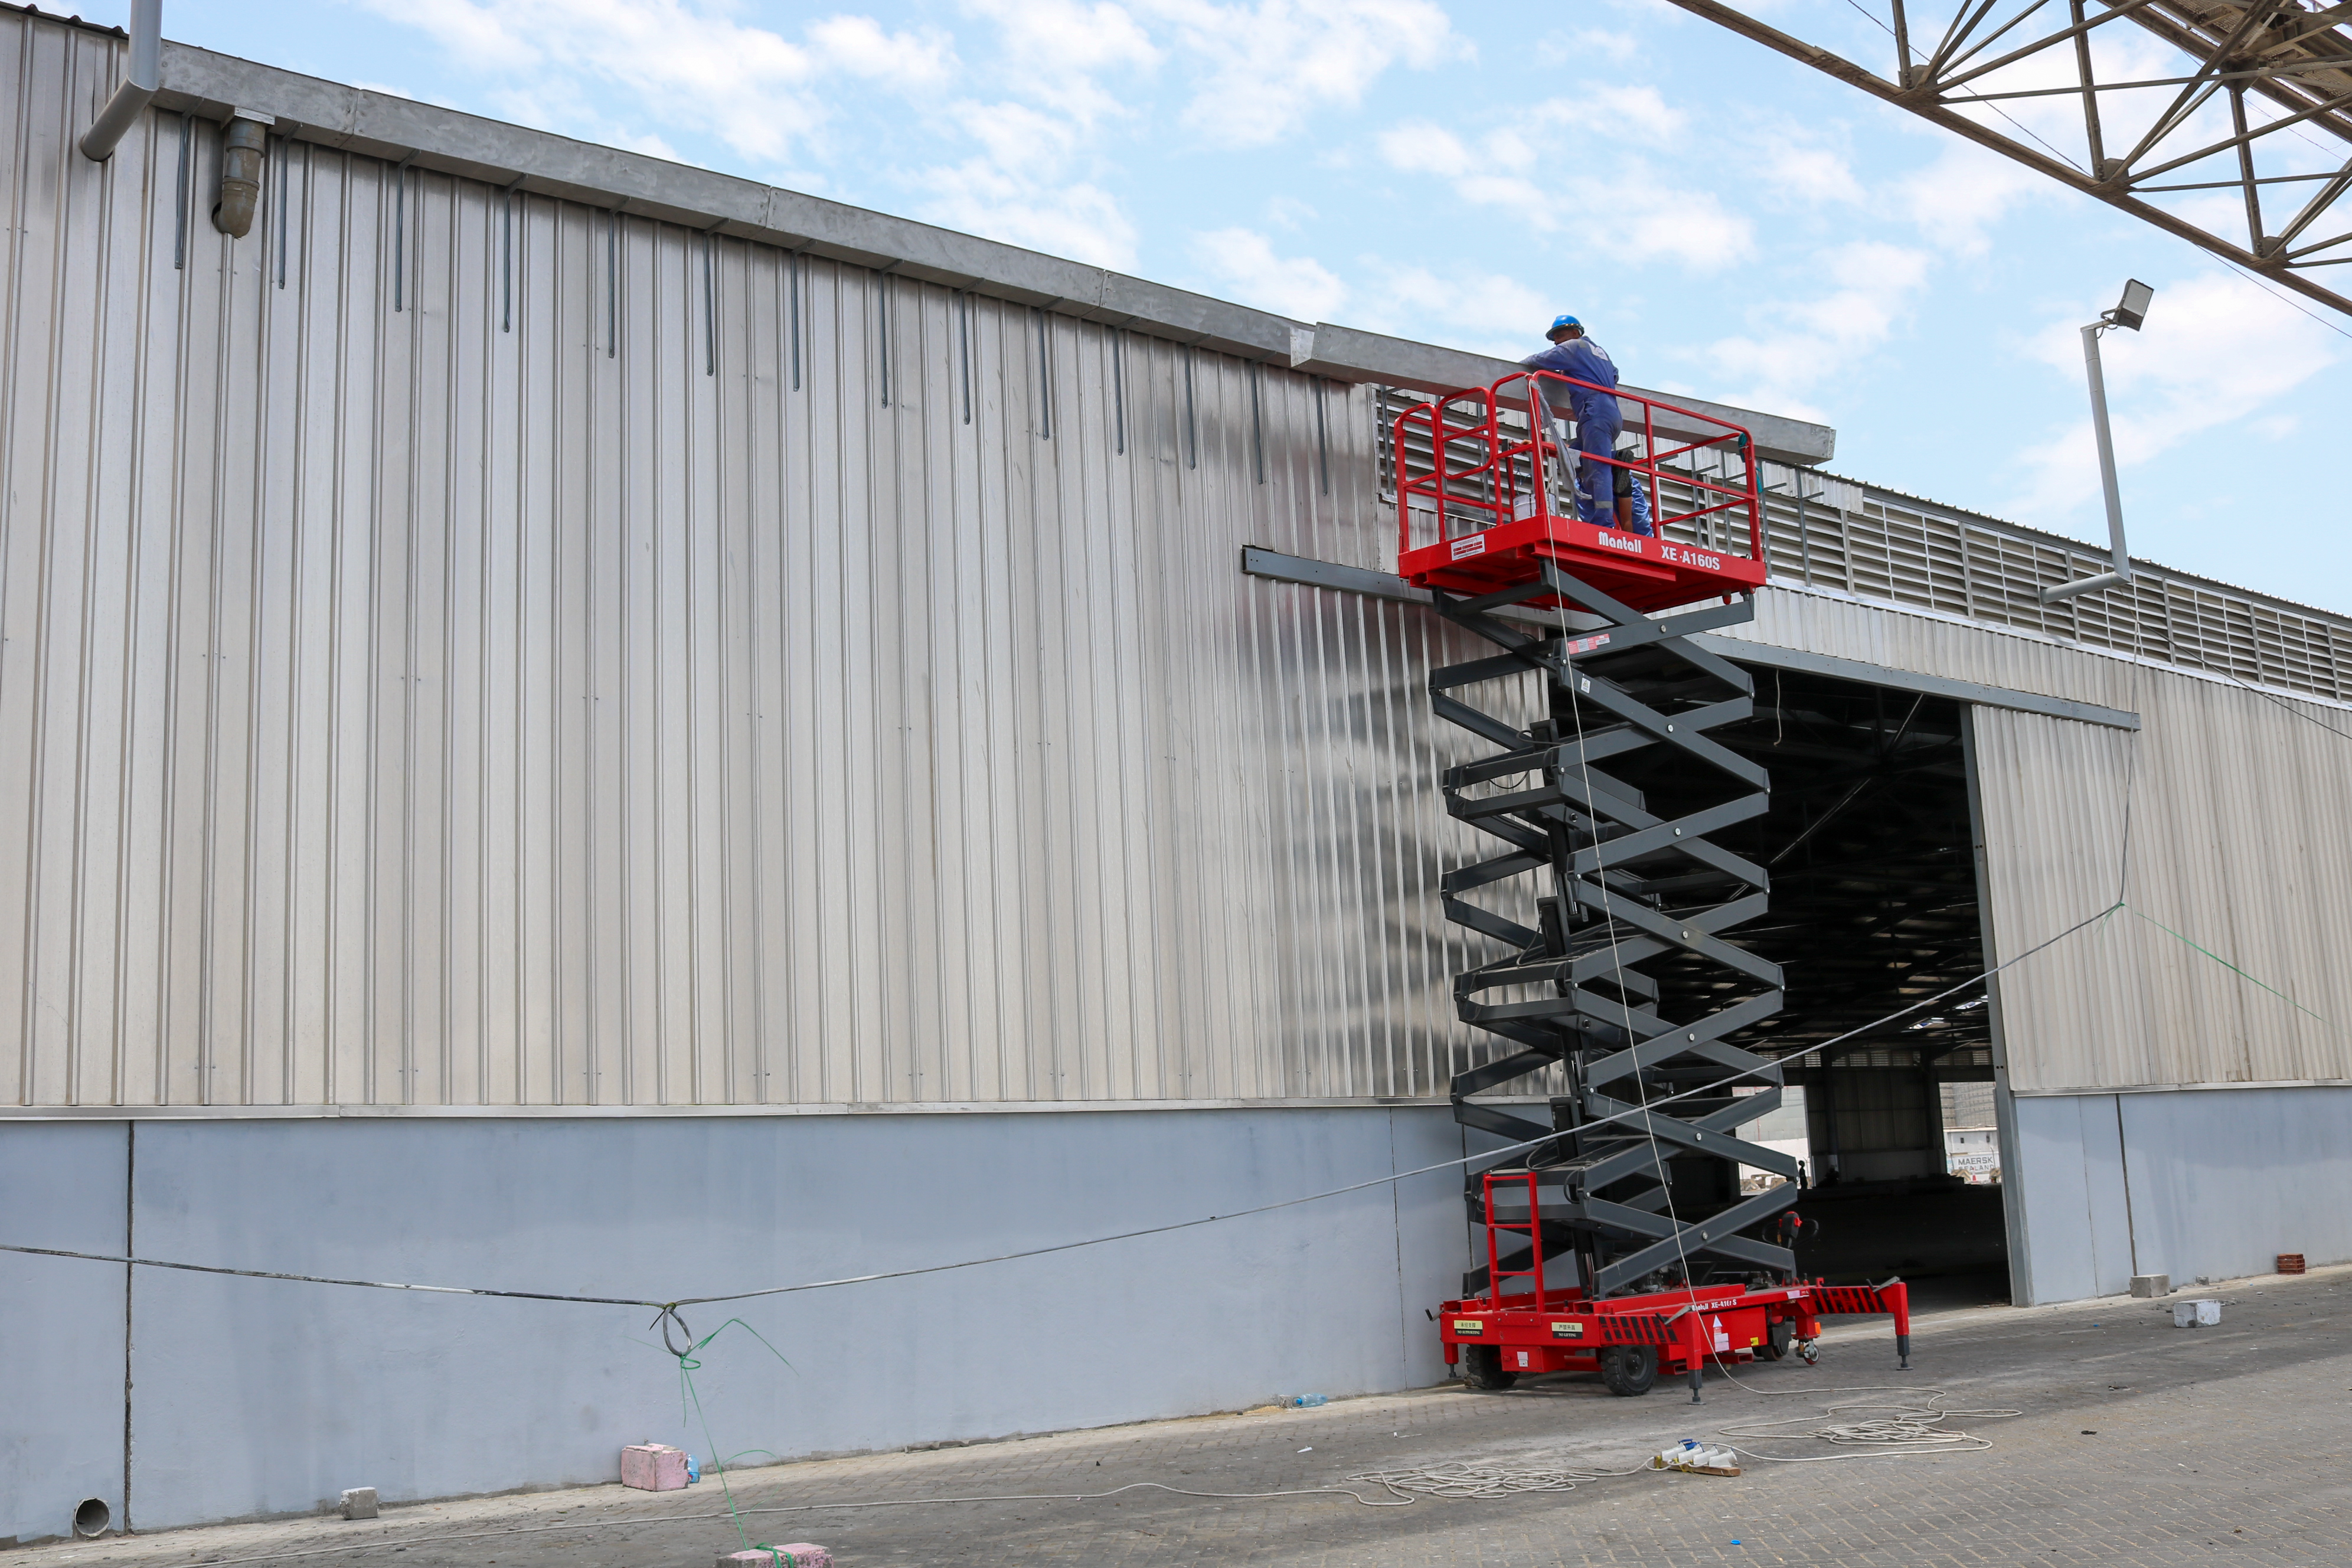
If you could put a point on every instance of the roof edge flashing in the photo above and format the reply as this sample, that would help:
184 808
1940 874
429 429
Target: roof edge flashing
540 162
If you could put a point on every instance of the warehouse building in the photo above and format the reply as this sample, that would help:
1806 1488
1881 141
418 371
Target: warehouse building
586 727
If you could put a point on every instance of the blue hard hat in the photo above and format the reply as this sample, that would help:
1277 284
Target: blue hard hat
1565 322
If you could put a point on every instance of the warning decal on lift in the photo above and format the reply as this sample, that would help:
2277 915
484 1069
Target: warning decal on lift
1469 544
1722 1340
1468 1326
1568 1331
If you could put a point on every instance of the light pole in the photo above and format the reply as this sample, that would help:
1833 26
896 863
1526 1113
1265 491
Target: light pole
2130 313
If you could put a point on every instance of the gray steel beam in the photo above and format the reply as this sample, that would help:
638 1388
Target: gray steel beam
1277 567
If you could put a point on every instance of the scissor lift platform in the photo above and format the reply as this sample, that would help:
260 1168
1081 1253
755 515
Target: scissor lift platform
1481 477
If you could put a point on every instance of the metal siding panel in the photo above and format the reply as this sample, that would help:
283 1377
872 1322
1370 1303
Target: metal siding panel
2054 796
2238 818
485 702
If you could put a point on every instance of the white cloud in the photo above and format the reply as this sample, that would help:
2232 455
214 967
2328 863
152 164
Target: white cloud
1813 340
1574 48
688 66
1796 166
1244 263
1654 220
920 61
1030 181
2215 349
1022 188
1076 220
1015 136
1628 113
1486 313
1065 34
1965 191
1288 212
1270 63
646 143
1061 46
1645 217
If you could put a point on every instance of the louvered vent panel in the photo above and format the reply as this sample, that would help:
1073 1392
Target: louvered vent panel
1829 533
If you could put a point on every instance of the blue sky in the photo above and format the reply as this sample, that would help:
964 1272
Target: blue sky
1728 223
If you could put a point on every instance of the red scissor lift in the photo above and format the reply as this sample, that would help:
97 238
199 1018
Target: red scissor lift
1488 522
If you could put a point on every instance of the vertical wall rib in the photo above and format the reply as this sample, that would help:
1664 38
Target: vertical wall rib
530 694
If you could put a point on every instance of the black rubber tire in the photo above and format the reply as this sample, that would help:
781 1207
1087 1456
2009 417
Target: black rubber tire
1630 1371
1481 1367
1777 1341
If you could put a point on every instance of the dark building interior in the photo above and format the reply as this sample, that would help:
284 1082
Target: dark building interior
1874 909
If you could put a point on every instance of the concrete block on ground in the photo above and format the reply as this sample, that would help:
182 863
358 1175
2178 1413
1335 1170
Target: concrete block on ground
359 1502
653 1467
798 1554
2151 1285
2196 1314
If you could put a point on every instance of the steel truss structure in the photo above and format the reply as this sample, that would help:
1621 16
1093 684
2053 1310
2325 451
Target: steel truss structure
2259 109
1645 1194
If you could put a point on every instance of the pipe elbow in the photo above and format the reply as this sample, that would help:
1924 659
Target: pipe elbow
138 88
241 150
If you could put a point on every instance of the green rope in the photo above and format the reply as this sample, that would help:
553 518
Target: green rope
2233 968
688 1395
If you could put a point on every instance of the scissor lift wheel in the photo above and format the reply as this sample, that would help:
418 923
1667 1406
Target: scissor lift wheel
1630 1371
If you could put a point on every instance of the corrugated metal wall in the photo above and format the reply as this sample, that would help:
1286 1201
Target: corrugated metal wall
464 650
2234 816
473 651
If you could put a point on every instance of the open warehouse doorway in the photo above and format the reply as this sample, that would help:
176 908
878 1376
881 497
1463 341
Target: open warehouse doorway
1875 907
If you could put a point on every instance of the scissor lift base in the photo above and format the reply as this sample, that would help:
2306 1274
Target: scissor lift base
1561 1331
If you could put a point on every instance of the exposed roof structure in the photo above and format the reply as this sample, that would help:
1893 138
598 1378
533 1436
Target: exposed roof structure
2253 102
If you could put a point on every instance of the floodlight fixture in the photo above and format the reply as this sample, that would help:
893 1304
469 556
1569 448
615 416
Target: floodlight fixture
2133 311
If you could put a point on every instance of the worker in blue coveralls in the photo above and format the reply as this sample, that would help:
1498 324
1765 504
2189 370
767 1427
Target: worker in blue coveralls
1632 495
1598 421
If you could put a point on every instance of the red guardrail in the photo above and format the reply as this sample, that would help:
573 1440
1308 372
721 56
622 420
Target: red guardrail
1482 473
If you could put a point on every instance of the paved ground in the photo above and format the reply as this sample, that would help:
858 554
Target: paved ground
2137 1443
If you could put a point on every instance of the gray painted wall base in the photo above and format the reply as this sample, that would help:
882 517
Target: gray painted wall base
256 1397
62 1325
2188 1183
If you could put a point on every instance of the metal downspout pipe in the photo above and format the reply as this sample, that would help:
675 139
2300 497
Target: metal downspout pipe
137 90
